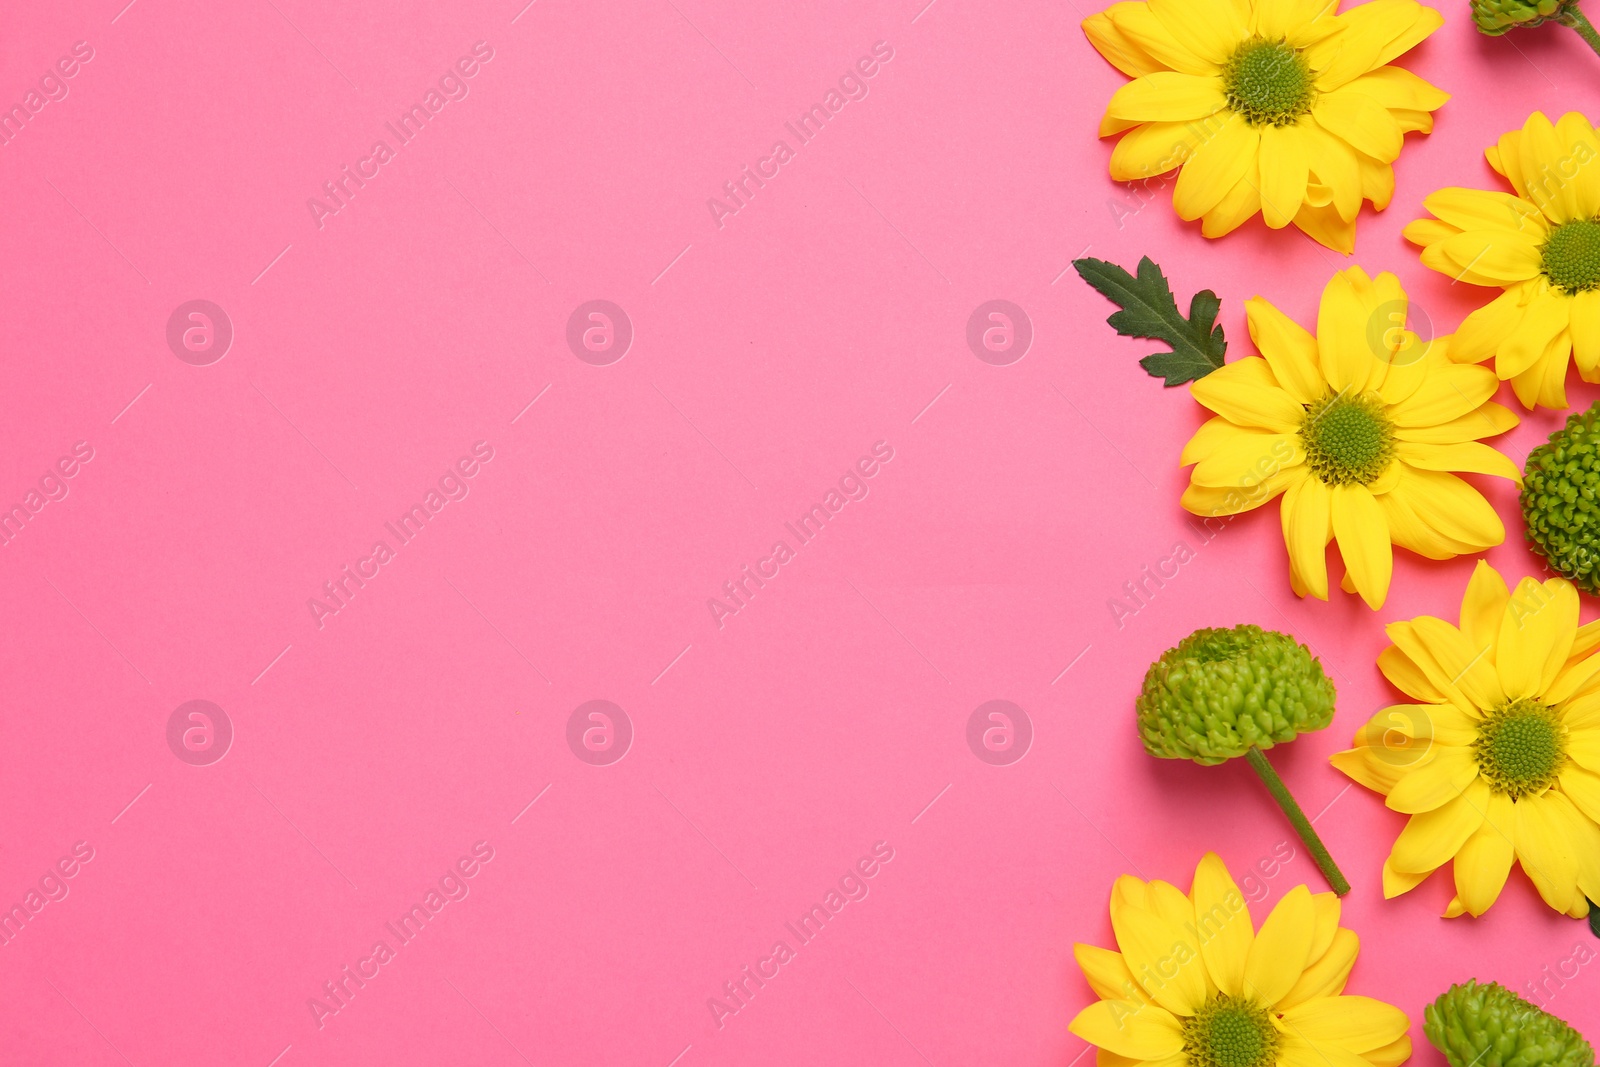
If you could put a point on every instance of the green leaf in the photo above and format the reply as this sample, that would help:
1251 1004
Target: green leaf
1149 311
1594 918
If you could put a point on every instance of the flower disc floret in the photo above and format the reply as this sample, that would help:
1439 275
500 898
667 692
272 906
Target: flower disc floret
1268 82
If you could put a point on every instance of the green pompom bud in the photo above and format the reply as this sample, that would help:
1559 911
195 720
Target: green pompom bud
1495 17
1222 692
1490 1026
1561 499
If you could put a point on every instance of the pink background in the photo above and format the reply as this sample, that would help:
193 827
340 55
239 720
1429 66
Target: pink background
769 354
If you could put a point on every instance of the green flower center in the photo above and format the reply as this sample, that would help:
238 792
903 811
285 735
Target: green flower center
1348 439
1572 256
1521 748
1230 1032
1267 82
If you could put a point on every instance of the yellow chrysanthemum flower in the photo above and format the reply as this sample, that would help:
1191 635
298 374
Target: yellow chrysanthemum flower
1500 761
1196 985
1274 106
1542 246
1359 428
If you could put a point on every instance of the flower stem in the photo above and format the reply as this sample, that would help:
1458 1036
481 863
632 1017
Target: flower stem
1302 825
1575 18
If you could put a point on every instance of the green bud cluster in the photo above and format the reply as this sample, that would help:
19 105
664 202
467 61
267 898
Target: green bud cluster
1221 692
1561 499
1495 17
1489 1026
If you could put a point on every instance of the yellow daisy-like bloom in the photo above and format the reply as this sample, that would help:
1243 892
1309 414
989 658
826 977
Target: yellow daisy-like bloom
1542 246
1499 762
1359 428
1273 106
1196 985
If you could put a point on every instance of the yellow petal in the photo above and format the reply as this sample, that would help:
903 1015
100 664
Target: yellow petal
1480 209
1365 766
1325 226
1583 745
1167 96
1377 180
1431 838
1545 317
1211 30
1307 529
1541 148
1448 505
1584 325
1576 674
1212 434
1374 33
1218 163
1334 166
1579 164
1296 1051
1150 150
1242 392
1484 861
1546 846
1328 975
1583 789
1209 502
1248 458
1488 420
1223 921
1288 348
1129 1028
1115 46
1360 122
1407 676
1107 973
1427 231
1536 633
1235 208
1140 27
1469 666
1469 457
1435 782
1342 317
1448 391
1482 606
1396 882
1278 956
1358 1024
1391 1055
1496 256
1284 163
1363 536
1156 947
1483 331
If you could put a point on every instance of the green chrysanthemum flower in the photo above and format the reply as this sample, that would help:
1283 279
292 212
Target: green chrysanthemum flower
1489 1026
1561 499
1221 694
1495 17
